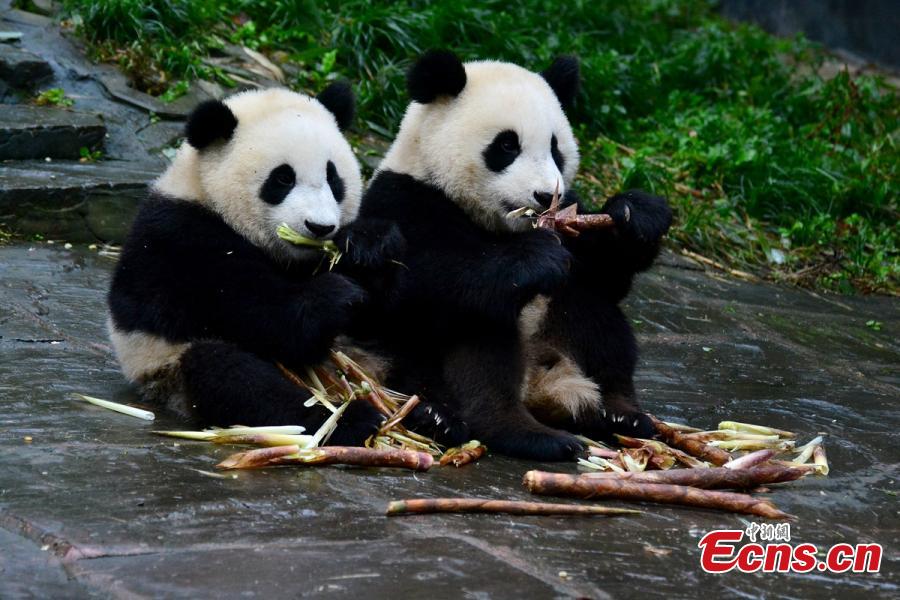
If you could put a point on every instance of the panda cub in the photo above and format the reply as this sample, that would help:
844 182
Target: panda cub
511 334
206 298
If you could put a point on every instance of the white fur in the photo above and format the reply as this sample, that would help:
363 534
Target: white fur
275 127
442 142
143 354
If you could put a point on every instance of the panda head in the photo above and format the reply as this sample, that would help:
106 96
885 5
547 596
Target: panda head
491 135
265 157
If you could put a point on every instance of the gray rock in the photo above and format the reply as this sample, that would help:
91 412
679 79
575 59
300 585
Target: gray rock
22 70
41 131
71 200
130 515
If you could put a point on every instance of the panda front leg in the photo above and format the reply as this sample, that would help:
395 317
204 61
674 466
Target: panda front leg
225 385
594 333
485 380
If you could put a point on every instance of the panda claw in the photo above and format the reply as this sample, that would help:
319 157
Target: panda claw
635 423
438 420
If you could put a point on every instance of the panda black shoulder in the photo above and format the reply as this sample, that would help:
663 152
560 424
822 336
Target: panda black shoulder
399 196
181 222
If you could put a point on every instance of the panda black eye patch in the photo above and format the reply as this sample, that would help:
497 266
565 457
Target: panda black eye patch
502 151
334 182
278 184
556 154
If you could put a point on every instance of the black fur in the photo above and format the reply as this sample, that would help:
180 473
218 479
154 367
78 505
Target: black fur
228 385
338 99
502 151
437 73
463 289
212 121
564 77
558 158
278 184
334 182
186 276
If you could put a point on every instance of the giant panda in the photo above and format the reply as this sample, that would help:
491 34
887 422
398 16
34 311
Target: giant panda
511 334
206 298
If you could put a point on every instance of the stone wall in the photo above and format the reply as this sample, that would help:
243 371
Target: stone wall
867 28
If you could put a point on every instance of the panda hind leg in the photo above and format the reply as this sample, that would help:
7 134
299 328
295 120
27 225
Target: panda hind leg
225 385
602 345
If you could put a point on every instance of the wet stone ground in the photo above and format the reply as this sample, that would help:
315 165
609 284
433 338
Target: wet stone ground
96 506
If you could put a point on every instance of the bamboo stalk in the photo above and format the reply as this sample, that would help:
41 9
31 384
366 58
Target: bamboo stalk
285 232
682 427
712 478
262 457
567 221
379 399
511 507
131 411
727 434
465 454
606 453
805 451
558 484
751 459
635 459
821 461
328 455
662 449
751 428
398 416
693 447
734 445
265 439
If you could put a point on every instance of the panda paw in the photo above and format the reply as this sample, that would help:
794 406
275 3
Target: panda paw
335 300
639 215
543 444
607 424
438 422
371 243
358 422
541 265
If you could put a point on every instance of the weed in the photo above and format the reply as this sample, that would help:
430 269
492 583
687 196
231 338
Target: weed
53 97
86 155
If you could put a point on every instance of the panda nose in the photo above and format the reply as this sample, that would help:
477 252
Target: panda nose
319 230
543 198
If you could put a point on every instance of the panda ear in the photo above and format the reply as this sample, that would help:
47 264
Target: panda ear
436 73
563 76
338 99
210 122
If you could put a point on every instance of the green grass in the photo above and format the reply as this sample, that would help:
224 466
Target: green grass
771 168
53 97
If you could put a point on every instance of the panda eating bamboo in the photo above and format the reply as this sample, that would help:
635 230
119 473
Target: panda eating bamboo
512 335
206 299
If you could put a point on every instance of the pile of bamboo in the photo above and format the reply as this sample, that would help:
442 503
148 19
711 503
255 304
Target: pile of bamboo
334 386
648 470
685 466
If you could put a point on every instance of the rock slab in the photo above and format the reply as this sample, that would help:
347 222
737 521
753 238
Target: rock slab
28 132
